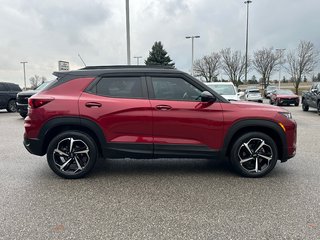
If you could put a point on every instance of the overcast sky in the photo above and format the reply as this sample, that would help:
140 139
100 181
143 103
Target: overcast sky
42 32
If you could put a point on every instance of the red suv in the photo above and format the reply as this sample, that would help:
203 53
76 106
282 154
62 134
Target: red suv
151 112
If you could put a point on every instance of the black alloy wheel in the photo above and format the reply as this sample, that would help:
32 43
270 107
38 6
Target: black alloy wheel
12 107
72 154
254 154
305 106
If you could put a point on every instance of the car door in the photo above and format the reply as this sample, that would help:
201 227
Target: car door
120 106
182 124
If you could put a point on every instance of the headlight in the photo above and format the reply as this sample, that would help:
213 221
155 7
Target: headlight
286 114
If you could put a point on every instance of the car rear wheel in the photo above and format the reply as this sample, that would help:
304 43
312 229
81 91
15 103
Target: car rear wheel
254 154
72 154
12 107
278 103
305 106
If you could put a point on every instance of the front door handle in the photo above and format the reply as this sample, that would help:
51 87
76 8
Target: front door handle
93 104
163 107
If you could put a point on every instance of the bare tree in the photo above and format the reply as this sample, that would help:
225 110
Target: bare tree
207 67
265 62
302 61
36 80
233 65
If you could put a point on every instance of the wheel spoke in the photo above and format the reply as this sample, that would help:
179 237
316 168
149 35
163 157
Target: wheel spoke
265 157
60 152
247 147
71 144
257 165
246 160
65 164
82 151
78 164
261 145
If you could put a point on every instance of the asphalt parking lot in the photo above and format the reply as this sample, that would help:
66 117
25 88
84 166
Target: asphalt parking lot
159 199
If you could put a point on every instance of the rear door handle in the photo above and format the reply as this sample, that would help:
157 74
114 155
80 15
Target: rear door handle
163 107
93 104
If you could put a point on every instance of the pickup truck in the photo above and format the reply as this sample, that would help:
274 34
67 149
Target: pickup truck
311 98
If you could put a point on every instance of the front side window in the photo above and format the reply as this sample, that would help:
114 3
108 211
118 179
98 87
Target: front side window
3 87
166 88
120 87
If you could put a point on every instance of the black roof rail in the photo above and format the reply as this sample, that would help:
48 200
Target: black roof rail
127 66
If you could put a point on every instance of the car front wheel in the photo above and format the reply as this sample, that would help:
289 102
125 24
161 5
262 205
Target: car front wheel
254 154
12 107
72 154
305 106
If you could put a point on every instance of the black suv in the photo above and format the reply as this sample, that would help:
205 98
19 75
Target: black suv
8 93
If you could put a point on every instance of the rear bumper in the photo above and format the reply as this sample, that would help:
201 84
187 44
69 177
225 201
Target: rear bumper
34 146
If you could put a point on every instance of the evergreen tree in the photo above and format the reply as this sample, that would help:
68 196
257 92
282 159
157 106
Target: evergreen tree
158 56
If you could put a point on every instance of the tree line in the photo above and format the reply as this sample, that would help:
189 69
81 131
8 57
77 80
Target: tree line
297 62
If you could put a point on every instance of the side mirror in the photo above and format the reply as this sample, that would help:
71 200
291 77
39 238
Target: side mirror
206 96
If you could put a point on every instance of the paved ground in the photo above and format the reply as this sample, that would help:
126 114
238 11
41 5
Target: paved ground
159 199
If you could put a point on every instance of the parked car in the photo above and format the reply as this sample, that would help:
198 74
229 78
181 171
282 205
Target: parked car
151 112
311 98
8 93
268 91
225 89
284 97
22 98
253 94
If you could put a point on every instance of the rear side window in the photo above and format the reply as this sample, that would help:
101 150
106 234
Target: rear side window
120 87
14 87
3 87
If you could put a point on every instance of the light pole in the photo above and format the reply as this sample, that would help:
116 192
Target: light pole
192 53
137 57
280 51
24 74
247 33
128 32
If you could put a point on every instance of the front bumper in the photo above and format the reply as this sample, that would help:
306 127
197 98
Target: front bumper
22 108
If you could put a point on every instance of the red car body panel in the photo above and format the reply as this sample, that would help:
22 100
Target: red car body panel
122 120
188 122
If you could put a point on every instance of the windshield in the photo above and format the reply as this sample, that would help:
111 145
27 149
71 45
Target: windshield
254 91
223 89
285 92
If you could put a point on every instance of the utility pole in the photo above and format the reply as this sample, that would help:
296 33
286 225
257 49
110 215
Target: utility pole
280 51
137 59
192 51
247 33
128 32
24 74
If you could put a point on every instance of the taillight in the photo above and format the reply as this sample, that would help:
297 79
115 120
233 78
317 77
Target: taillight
36 103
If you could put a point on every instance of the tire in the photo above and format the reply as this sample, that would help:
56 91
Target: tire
278 103
75 163
270 102
296 104
318 108
23 115
255 165
305 106
12 107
